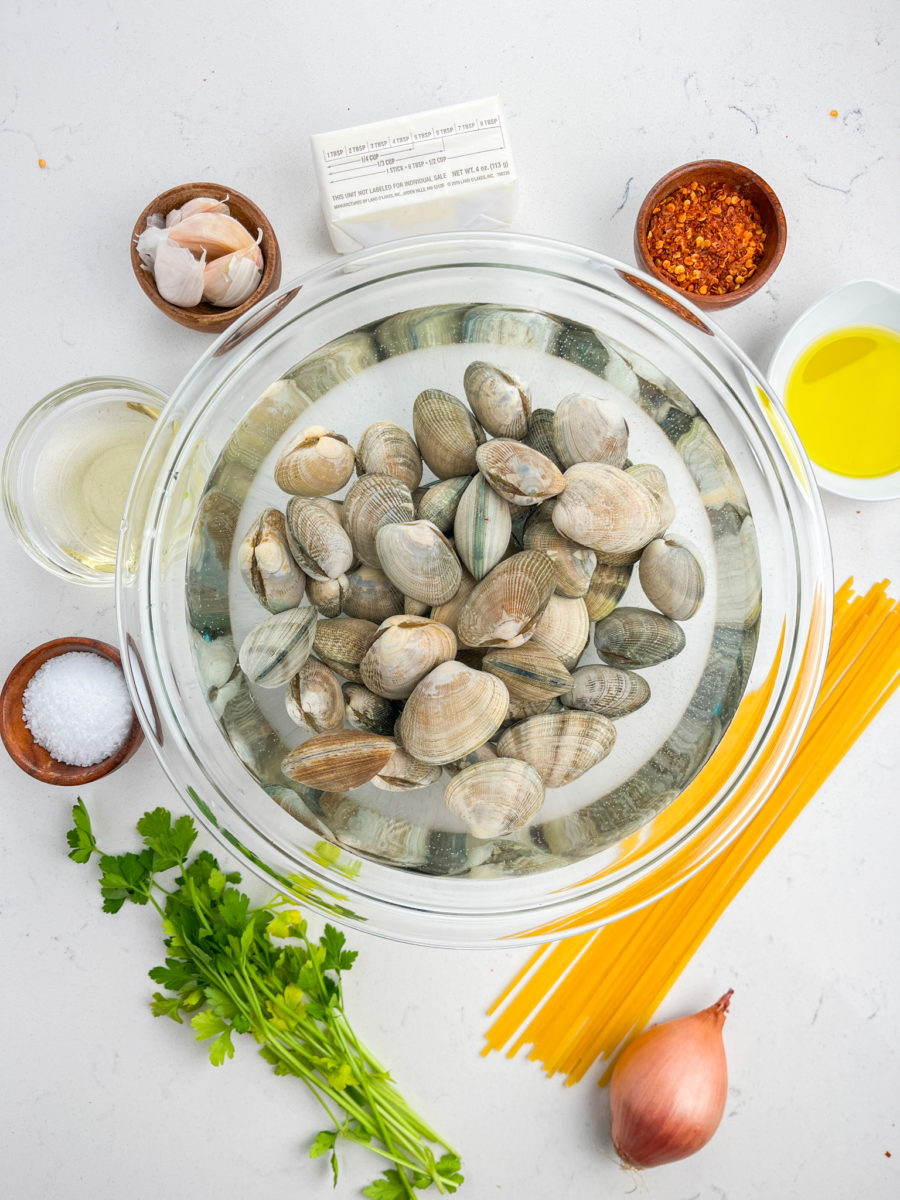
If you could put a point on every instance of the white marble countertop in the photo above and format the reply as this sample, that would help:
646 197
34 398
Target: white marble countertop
122 100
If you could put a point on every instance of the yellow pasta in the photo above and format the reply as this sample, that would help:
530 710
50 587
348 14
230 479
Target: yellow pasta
578 1000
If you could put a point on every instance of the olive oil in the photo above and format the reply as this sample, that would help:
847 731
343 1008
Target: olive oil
843 397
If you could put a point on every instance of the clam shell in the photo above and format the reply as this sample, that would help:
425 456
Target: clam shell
448 613
607 587
637 637
530 672
606 508
563 628
446 433
672 578
500 401
505 606
590 429
519 473
318 542
573 565
365 710
495 798
520 709
438 503
371 596
277 649
540 434
267 566
451 712
560 746
403 773
387 449
653 478
609 691
402 652
314 699
415 608
341 643
316 463
482 527
374 501
327 595
340 760
419 560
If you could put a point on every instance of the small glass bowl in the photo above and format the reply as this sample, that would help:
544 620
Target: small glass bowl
67 470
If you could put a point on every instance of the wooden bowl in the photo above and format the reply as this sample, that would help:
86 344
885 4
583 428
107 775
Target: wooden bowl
742 180
207 318
16 735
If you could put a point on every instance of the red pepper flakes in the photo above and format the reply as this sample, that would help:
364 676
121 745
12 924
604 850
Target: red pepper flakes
42 162
833 113
706 238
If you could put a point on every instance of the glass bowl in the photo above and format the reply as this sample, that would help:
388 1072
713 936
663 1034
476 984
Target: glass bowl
354 342
67 470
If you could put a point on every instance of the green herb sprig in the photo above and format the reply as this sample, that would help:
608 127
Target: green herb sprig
233 969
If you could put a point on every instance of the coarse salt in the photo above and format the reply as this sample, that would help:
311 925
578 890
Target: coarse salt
78 708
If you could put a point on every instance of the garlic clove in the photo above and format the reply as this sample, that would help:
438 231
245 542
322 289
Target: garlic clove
148 243
197 205
233 278
215 233
155 221
179 276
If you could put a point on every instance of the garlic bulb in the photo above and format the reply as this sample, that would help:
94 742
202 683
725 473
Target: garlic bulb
233 278
215 233
178 275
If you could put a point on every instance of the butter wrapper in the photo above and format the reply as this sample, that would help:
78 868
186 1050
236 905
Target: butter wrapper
435 172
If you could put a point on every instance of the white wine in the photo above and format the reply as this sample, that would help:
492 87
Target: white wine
83 474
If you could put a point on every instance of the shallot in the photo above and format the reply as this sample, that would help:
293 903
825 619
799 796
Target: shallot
668 1090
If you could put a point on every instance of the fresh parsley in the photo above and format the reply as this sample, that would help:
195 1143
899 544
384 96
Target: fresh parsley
232 969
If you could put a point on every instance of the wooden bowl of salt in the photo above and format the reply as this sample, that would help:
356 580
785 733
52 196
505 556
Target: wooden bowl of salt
91 722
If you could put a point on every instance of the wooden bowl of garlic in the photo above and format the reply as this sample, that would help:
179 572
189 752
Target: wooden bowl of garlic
204 254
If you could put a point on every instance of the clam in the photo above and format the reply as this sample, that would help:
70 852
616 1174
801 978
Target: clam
560 746
448 614
438 503
609 691
327 595
495 798
530 672
317 462
564 628
637 637
607 587
500 401
267 565
277 649
573 565
590 429
606 509
365 710
387 449
415 608
367 831
402 652
318 542
371 596
482 527
419 560
519 473
520 709
314 699
653 478
505 606
341 643
403 773
446 433
373 501
672 578
451 712
340 760
540 434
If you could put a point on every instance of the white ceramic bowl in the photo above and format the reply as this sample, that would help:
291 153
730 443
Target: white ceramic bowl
862 302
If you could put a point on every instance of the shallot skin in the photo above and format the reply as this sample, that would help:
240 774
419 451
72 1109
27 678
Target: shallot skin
669 1088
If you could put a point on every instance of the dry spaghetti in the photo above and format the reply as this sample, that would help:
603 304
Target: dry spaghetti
580 999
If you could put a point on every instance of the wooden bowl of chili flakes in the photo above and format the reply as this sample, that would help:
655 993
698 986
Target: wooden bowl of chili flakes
713 230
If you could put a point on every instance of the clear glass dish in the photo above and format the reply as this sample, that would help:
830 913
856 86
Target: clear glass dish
357 340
